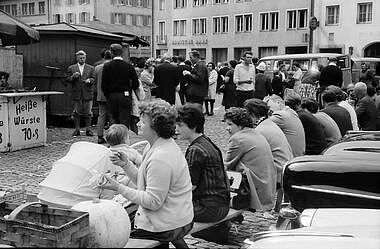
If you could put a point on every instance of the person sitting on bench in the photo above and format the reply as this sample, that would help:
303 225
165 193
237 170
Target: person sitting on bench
163 180
211 193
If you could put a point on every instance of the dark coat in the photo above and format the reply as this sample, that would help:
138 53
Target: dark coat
331 75
367 114
182 80
79 87
341 117
166 79
263 86
198 80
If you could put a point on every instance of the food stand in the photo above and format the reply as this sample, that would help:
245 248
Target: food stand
23 120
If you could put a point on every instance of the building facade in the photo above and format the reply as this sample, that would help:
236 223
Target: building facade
30 11
222 29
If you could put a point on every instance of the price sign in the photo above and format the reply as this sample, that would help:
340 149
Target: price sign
27 121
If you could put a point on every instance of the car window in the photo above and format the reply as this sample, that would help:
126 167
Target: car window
304 64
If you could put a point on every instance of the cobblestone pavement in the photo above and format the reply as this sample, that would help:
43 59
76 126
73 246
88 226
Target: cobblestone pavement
30 166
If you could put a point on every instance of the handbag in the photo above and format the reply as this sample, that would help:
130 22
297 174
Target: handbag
241 194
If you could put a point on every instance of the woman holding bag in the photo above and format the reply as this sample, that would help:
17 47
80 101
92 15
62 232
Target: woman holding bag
249 152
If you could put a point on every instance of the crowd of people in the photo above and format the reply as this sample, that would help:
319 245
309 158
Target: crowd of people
270 121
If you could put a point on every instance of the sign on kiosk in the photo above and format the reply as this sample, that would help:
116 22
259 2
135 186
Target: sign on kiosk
23 120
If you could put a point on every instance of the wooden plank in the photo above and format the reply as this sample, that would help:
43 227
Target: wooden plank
198 226
141 243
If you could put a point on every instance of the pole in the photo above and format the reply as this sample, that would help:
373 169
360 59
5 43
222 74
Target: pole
152 36
311 34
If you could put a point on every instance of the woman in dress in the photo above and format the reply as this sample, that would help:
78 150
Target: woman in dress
212 80
229 88
146 79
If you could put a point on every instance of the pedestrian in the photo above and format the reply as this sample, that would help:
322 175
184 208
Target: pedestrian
331 75
221 75
81 76
182 66
289 122
280 148
365 108
329 126
297 76
277 84
212 82
4 84
119 79
244 78
229 89
166 79
263 84
366 75
197 78
249 152
339 114
163 180
314 136
147 79
211 193
100 98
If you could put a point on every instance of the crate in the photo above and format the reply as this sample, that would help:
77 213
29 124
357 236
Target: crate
34 224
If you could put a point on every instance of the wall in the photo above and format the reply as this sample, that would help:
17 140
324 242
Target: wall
12 64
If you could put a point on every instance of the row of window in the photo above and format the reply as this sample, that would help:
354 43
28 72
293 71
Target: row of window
24 9
269 21
130 19
364 13
71 18
133 3
195 3
71 2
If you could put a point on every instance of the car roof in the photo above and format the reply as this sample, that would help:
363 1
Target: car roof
301 56
358 146
368 59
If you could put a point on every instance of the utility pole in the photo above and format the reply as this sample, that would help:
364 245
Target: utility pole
152 36
311 33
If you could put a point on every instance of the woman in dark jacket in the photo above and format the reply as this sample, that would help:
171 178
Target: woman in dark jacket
229 87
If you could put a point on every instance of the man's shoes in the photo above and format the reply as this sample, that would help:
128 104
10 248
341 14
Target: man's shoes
101 140
89 133
76 133
211 114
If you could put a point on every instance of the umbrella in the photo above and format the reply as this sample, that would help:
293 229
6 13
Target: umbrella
15 32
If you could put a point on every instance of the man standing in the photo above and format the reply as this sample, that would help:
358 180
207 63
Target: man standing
244 78
197 88
81 76
263 84
101 99
119 79
331 75
182 81
365 108
166 79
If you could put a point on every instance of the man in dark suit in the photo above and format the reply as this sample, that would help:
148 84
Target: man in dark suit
166 79
182 66
365 108
119 79
331 75
81 76
197 88
339 114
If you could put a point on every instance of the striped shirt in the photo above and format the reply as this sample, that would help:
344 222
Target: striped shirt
207 173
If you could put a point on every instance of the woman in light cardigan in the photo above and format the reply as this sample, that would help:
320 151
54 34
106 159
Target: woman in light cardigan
164 190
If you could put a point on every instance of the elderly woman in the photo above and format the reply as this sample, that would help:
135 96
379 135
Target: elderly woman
164 189
249 152
212 80
146 79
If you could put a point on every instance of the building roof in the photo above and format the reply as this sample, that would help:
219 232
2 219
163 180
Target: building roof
63 28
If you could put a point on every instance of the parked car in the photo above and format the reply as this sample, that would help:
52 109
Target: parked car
325 228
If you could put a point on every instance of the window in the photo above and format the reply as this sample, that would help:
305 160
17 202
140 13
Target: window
332 15
24 9
267 51
364 12
84 17
269 21
14 10
161 5
199 26
57 18
161 32
180 4
69 2
147 20
179 28
139 20
70 18
81 2
199 2
221 1
31 8
297 19
117 18
41 8
2 7
7 8
220 24
243 23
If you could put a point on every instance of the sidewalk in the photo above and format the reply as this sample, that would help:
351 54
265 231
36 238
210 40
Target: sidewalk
31 166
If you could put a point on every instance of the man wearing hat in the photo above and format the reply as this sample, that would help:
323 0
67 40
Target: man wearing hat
119 79
81 76
263 85
331 75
